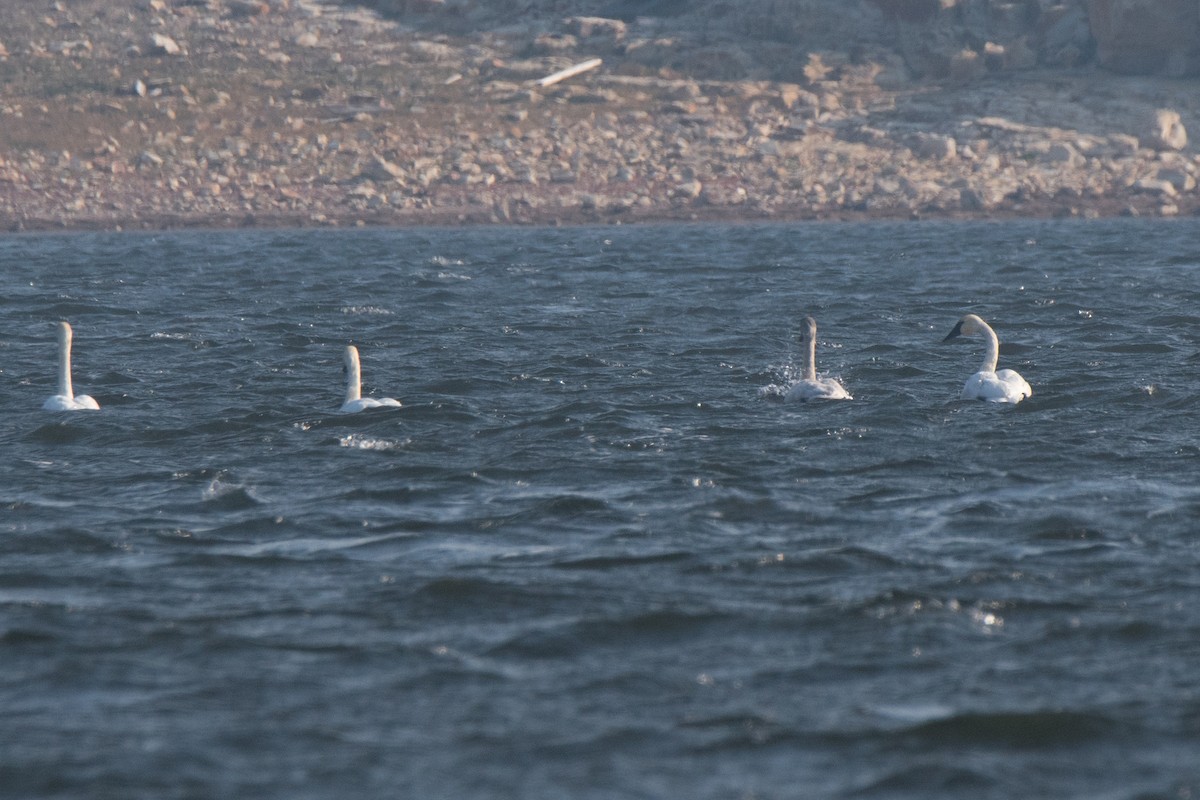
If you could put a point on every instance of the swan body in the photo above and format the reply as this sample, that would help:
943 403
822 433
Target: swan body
1003 386
810 387
65 398
355 402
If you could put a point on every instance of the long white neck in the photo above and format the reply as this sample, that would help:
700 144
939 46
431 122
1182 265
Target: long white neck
810 356
64 360
992 356
353 374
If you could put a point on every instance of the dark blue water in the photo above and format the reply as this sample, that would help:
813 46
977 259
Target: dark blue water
595 555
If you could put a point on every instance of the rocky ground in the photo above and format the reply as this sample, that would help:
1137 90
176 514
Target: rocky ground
171 113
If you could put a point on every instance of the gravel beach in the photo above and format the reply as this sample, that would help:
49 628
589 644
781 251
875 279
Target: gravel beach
182 113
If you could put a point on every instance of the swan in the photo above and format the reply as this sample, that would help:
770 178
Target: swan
810 387
1005 386
66 399
354 400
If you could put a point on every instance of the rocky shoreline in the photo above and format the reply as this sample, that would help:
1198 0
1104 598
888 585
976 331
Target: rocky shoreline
224 113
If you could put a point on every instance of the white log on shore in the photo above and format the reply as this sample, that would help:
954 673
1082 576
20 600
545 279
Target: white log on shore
570 72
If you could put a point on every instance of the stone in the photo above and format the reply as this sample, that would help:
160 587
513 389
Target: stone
935 147
433 51
995 56
816 69
1018 55
590 202
1156 186
611 31
1166 131
555 43
76 47
246 8
380 169
653 53
1067 37
791 95
718 62
830 102
970 200
1064 154
1177 177
966 65
1123 145
163 45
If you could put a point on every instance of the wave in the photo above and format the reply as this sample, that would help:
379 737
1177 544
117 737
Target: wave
1033 729
357 441
926 780
622 561
657 628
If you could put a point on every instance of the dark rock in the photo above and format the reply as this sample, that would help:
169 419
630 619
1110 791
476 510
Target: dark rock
1147 36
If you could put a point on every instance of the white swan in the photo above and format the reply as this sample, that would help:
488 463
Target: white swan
66 399
810 387
1005 386
354 399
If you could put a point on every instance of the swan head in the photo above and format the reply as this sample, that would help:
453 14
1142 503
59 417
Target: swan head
64 334
808 329
968 325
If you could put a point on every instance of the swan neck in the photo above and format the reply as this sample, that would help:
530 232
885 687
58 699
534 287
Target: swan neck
64 363
353 378
810 358
992 355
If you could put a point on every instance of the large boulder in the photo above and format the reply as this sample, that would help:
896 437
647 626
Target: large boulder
1165 131
1147 36
963 39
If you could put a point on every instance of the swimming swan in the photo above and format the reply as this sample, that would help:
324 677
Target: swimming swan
354 399
810 387
1005 386
66 399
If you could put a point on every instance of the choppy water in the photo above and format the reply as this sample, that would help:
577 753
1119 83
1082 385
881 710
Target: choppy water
595 555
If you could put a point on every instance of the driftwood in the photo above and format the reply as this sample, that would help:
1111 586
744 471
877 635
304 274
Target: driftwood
570 72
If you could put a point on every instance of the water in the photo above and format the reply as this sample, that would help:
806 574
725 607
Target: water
595 555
